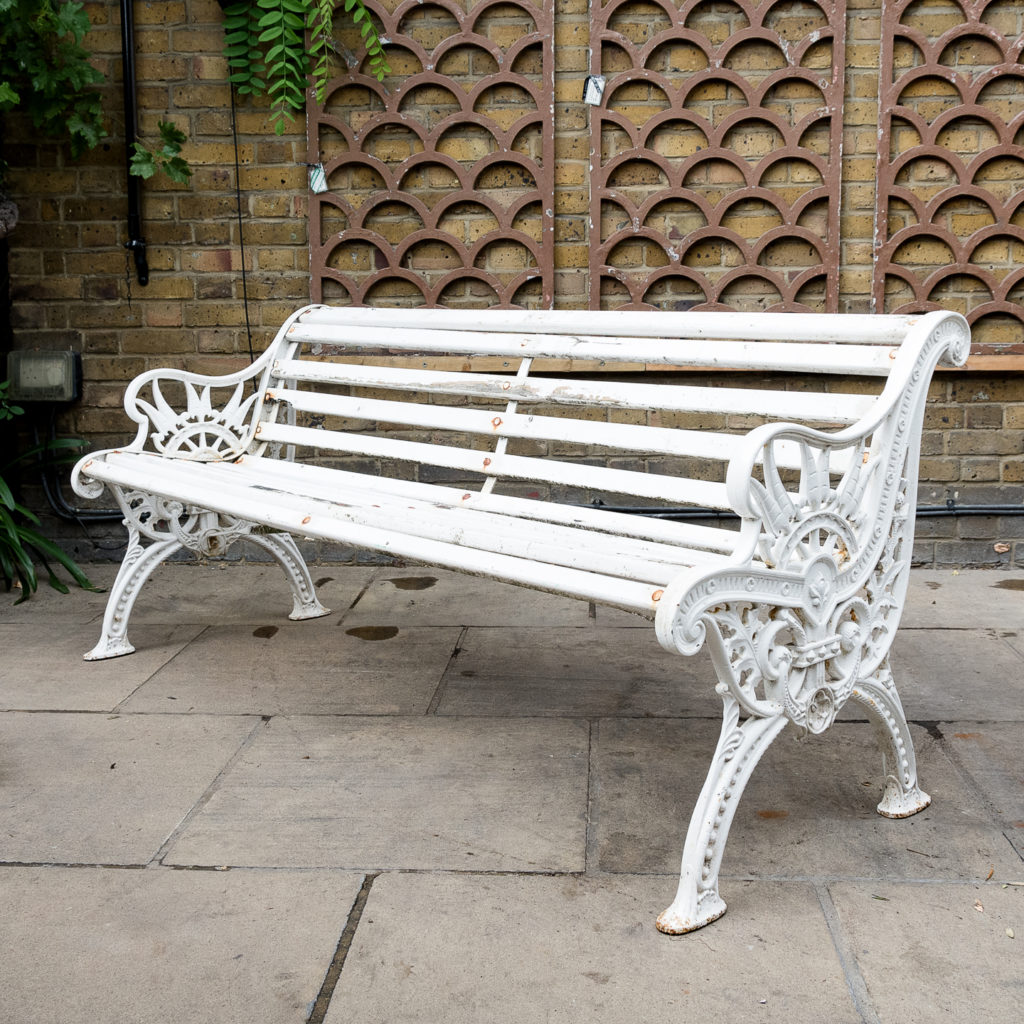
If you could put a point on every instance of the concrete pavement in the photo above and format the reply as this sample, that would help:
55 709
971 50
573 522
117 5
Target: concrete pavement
455 801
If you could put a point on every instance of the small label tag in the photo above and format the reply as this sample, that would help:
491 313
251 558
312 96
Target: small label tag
593 90
317 178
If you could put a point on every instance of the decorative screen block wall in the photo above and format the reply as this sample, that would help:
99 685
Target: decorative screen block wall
715 174
440 181
950 224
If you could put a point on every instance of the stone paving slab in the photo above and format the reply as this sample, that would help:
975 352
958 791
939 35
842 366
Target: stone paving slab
83 946
311 667
991 755
965 599
952 674
43 668
927 953
104 789
808 810
542 950
415 793
434 597
576 672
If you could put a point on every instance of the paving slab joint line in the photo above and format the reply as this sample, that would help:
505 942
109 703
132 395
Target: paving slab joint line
116 709
207 794
855 982
442 684
362 593
589 837
323 999
980 795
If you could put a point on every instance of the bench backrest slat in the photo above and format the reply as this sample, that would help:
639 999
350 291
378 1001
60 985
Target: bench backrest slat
767 356
516 467
789 405
627 437
849 328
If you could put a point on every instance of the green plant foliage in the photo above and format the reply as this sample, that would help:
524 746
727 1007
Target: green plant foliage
45 71
21 543
145 162
266 49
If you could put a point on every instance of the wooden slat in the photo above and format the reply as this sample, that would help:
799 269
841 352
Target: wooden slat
626 437
854 328
654 352
787 405
626 557
515 467
188 483
330 480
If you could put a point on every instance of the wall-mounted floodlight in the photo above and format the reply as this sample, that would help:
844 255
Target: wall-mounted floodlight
40 376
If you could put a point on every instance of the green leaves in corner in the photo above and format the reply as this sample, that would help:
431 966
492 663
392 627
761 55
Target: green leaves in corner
265 44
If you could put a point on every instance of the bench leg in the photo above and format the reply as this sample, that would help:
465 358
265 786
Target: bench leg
877 693
740 747
137 567
283 547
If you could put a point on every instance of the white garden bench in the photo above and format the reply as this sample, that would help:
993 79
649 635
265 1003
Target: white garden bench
327 435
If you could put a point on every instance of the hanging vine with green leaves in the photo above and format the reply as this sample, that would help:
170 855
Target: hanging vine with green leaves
265 44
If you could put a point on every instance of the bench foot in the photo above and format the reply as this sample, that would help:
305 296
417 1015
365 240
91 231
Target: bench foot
109 647
678 920
137 567
877 693
284 549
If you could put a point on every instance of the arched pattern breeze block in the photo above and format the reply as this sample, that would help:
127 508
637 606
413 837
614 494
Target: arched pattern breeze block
950 215
440 181
715 174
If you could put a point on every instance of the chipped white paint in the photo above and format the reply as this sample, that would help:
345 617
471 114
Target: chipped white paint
798 607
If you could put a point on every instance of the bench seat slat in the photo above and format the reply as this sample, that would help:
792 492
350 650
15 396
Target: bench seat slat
773 356
788 405
681 490
597 520
186 482
632 437
626 557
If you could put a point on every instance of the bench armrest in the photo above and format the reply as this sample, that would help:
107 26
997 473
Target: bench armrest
210 419
875 460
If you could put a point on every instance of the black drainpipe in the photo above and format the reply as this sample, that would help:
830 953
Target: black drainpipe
136 244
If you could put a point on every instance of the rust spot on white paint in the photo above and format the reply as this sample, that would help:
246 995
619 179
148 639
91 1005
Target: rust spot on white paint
487 462
656 596
466 497
306 520
496 422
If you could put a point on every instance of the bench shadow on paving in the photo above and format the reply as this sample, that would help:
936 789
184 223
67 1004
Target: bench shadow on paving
450 799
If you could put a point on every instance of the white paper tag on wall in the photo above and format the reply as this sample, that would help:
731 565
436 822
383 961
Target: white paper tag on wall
317 178
593 90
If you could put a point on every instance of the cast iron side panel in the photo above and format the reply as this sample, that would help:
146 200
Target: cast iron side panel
441 180
715 166
950 213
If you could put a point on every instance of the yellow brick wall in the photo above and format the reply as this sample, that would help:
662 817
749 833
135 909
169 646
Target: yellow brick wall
73 284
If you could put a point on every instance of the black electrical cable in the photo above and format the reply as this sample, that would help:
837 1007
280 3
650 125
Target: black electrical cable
241 237
136 244
54 492
951 508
